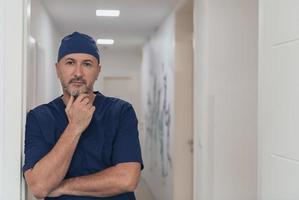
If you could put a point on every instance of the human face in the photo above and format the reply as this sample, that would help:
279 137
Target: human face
77 73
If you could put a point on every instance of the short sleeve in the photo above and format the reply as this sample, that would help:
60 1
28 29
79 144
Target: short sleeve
126 147
35 144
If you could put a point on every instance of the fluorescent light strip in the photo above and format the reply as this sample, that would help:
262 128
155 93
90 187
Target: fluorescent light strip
108 13
105 41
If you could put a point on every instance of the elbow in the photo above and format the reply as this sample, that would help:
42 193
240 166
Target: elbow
37 188
131 187
130 173
131 184
38 191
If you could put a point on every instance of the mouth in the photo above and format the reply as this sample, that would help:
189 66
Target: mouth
77 83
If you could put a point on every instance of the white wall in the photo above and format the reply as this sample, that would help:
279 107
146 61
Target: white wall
225 98
123 63
120 62
1 89
167 107
159 62
11 47
183 101
203 157
47 37
278 100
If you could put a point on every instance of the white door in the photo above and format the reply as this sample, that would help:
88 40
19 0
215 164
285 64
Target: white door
279 100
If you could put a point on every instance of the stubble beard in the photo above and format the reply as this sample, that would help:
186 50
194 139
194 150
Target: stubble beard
75 92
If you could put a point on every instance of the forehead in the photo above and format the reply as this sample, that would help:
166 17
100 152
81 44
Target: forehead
79 57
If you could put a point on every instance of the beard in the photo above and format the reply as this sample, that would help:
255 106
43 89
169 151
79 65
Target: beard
75 91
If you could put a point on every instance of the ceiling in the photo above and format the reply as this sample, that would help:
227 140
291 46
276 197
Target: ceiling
138 18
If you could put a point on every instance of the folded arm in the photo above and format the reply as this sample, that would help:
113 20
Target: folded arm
49 171
112 181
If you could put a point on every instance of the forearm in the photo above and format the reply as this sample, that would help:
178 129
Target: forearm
109 182
52 168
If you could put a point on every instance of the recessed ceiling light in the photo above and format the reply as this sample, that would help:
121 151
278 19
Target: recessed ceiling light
105 41
108 13
32 40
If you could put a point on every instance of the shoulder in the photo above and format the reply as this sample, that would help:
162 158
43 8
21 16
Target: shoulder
44 110
113 103
117 103
122 109
114 107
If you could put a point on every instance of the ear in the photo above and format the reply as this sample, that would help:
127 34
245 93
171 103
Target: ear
99 71
100 68
57 70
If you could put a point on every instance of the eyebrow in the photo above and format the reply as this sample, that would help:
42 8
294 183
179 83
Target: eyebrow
87 60
72 59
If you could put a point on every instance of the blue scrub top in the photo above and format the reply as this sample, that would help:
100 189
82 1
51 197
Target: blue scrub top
110 138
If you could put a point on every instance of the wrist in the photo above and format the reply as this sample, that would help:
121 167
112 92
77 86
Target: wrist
57 192
62 187
73 129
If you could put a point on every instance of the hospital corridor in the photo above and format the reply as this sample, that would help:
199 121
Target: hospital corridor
214 85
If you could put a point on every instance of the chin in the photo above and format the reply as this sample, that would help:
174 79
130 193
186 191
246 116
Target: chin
77 92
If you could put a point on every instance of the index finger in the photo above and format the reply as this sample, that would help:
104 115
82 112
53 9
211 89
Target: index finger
70 102
81 97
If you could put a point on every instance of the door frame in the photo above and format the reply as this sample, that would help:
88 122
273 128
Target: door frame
14 36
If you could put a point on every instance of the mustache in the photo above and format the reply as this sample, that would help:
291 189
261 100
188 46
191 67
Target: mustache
77 79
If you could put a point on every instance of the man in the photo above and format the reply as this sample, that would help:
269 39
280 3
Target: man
82 145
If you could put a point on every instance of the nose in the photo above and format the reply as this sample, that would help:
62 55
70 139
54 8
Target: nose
78 71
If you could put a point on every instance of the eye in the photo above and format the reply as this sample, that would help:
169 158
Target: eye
87 64
70 62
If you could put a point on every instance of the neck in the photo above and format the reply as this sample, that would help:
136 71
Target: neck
66 97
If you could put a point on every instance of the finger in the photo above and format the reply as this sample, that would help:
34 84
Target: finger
85 101
92 109
81 97
89 105
69 103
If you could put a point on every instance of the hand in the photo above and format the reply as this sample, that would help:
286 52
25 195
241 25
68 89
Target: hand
79 112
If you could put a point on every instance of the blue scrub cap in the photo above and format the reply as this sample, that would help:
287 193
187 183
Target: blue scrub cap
78 43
